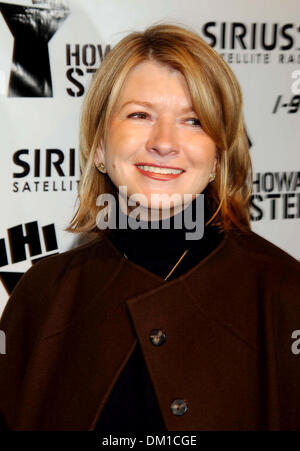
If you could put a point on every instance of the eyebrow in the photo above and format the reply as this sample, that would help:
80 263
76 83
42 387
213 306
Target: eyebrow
151 105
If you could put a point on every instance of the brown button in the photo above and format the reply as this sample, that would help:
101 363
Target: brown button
157 337
179 407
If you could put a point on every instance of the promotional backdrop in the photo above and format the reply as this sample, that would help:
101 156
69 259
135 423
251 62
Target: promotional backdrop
48 53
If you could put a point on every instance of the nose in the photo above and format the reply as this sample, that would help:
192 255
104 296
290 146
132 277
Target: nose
163 138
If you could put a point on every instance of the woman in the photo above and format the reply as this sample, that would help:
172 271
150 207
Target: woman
142 328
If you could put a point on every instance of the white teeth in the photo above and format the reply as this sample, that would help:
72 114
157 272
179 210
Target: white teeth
160 170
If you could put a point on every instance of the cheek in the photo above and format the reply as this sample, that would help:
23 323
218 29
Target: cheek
124 144
203 153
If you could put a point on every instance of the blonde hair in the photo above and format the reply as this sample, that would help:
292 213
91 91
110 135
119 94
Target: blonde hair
216 98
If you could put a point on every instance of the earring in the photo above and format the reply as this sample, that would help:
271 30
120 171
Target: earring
211 177
101 167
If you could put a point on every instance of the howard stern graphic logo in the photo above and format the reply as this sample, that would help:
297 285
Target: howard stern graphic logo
81 60
32 28
40 244
28 234
276 195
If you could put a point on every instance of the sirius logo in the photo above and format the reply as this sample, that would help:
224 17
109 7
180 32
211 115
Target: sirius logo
32 27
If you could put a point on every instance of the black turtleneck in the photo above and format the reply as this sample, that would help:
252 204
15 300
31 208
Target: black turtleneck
157 250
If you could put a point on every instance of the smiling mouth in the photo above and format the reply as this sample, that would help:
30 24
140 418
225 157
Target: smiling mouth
159 170
159 173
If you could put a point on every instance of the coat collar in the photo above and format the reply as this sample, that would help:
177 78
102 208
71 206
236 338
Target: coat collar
189 275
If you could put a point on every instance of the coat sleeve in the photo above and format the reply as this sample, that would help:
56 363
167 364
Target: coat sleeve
287 347
20 324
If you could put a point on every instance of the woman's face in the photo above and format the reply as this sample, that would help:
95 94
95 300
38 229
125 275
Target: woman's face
154 125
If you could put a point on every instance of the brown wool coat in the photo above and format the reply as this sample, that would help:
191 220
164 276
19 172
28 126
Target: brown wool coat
74 318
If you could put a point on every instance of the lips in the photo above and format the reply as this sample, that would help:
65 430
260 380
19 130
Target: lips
158 176
159 166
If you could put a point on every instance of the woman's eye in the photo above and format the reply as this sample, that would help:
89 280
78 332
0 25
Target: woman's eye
138 115
194 121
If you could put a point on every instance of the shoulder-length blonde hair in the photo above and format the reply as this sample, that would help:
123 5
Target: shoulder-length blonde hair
216 98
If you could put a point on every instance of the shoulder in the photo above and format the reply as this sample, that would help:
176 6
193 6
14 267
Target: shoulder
275 281
259 249
89 262
56 281
271 264
258 255
74 259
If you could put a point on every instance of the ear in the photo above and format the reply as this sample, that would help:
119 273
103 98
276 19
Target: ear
99 154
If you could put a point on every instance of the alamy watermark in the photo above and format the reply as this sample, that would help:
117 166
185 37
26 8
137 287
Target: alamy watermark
2 342
295 88
296 344
138 212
